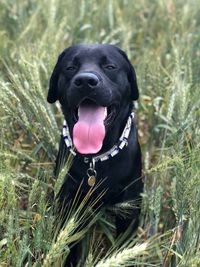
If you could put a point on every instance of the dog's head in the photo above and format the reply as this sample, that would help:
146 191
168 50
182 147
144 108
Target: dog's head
95 85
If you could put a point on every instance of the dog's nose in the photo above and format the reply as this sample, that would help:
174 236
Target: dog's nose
86 79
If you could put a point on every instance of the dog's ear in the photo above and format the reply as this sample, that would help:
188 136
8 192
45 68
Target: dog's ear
131 77
53 83
133 81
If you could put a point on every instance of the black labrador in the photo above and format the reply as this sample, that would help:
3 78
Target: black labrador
96 86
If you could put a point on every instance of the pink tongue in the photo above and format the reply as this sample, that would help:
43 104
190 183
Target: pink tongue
89 131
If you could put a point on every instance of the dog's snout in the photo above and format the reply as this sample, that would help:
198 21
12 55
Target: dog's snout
86 79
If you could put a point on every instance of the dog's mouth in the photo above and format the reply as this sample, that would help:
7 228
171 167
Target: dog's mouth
91 121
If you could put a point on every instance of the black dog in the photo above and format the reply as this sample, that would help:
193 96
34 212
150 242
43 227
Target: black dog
96 86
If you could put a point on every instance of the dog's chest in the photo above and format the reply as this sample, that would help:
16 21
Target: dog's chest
110 178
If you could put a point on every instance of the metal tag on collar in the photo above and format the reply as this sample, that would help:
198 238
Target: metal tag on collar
91 173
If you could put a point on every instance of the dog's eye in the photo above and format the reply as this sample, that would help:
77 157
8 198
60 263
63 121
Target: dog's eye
110 67
71 68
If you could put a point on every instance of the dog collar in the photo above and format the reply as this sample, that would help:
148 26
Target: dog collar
123 141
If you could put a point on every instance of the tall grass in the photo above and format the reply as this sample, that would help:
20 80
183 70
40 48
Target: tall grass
162 40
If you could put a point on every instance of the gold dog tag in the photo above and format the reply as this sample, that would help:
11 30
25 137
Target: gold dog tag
91 180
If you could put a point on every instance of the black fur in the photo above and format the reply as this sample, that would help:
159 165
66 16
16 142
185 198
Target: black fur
116 87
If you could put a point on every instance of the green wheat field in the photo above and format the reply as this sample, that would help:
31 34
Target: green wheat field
162 40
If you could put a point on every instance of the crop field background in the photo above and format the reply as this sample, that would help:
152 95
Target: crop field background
162 40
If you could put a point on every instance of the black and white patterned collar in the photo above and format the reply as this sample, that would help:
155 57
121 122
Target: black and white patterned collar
123 141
